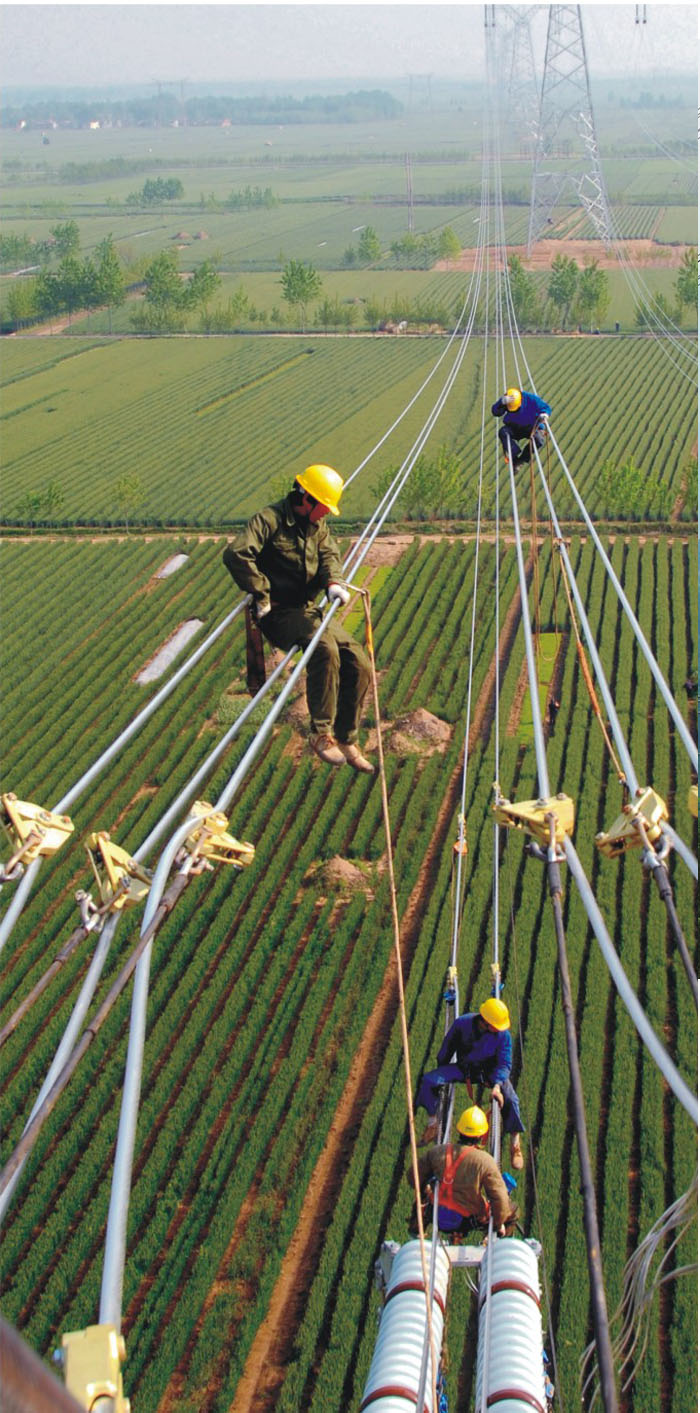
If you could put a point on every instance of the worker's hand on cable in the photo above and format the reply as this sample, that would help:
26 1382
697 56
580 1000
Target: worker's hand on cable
262 607
496 1094
339 593
501 1231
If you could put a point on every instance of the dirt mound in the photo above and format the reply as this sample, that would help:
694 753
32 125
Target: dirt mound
419 731
338 875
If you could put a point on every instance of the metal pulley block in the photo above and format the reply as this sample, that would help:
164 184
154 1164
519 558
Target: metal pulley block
92 1360
649 809
533 817
33 832
210 839
121 880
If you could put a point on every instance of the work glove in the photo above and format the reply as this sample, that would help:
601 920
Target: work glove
339 593
262 607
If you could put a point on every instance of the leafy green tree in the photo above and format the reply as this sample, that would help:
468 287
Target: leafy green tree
349 256
205 281
434 489
111 285
369 246
67 238
71 283
686 283
28 510
523 290
129 494
48 294
562 285
163 283
22 304
300 284
593 292
449 245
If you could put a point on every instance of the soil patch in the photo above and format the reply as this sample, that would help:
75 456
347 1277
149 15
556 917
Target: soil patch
638 252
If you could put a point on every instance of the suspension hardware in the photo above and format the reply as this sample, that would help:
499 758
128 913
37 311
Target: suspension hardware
33 832
121 880
532 816
92 1360
450 992
649 809
210 839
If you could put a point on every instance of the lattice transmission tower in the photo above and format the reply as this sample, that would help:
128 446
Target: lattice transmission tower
518 62
566 153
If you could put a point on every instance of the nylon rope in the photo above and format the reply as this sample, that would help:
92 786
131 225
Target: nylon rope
369 640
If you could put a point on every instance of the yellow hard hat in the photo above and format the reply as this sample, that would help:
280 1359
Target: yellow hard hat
495 1013
513 399
473 1123
324 484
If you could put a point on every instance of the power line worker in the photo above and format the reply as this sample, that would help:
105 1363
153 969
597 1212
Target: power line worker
284 557
482 1046
471 1187
523 416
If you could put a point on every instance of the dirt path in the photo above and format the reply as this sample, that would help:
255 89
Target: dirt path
641 253
266 1364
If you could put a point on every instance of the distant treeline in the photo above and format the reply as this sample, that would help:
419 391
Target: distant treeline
166 110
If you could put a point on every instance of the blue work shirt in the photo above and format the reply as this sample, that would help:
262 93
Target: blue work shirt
521 423
491 1052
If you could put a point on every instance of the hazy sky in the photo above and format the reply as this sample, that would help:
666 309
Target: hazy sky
133 43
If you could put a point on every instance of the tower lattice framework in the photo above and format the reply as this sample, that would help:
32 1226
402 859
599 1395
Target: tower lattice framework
566 153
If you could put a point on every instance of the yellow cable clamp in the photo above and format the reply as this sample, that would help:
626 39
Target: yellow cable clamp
532 816
33 832
650 809
92 1360
122 881
210 840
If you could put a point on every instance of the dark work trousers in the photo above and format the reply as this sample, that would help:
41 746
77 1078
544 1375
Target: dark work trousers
337 674
520 454
431 1083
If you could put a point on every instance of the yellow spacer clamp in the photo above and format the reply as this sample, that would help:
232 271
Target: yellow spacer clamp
647 807
92 1360
693 801
211 840
531 816
33 831
121 880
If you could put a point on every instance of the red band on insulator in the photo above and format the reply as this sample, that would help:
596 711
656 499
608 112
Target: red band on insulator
517 1393
414 1285
512 1285
392 1391
517 1285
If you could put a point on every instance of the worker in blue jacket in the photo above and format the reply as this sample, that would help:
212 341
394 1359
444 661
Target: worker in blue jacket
523 420
477 1047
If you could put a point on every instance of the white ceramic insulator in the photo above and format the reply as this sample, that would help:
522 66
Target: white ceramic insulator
394 1374
513 1358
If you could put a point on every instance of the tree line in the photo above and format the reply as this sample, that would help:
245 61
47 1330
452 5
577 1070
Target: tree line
167 109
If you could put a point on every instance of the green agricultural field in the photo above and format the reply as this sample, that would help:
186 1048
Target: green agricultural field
209 425
264 983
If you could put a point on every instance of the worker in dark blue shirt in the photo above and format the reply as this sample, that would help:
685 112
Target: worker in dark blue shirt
477 1047
523 416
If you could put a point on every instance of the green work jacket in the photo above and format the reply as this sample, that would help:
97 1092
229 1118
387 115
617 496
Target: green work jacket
282 558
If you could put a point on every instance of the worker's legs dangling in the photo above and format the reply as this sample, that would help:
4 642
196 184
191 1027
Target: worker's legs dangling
284 627
352 686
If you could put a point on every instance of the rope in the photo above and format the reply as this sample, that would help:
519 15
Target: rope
399 975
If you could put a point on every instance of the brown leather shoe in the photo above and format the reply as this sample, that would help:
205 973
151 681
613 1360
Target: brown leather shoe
354 757
327 749
516 1152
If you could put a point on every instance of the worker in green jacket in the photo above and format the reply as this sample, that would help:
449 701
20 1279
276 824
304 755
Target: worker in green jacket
284 557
